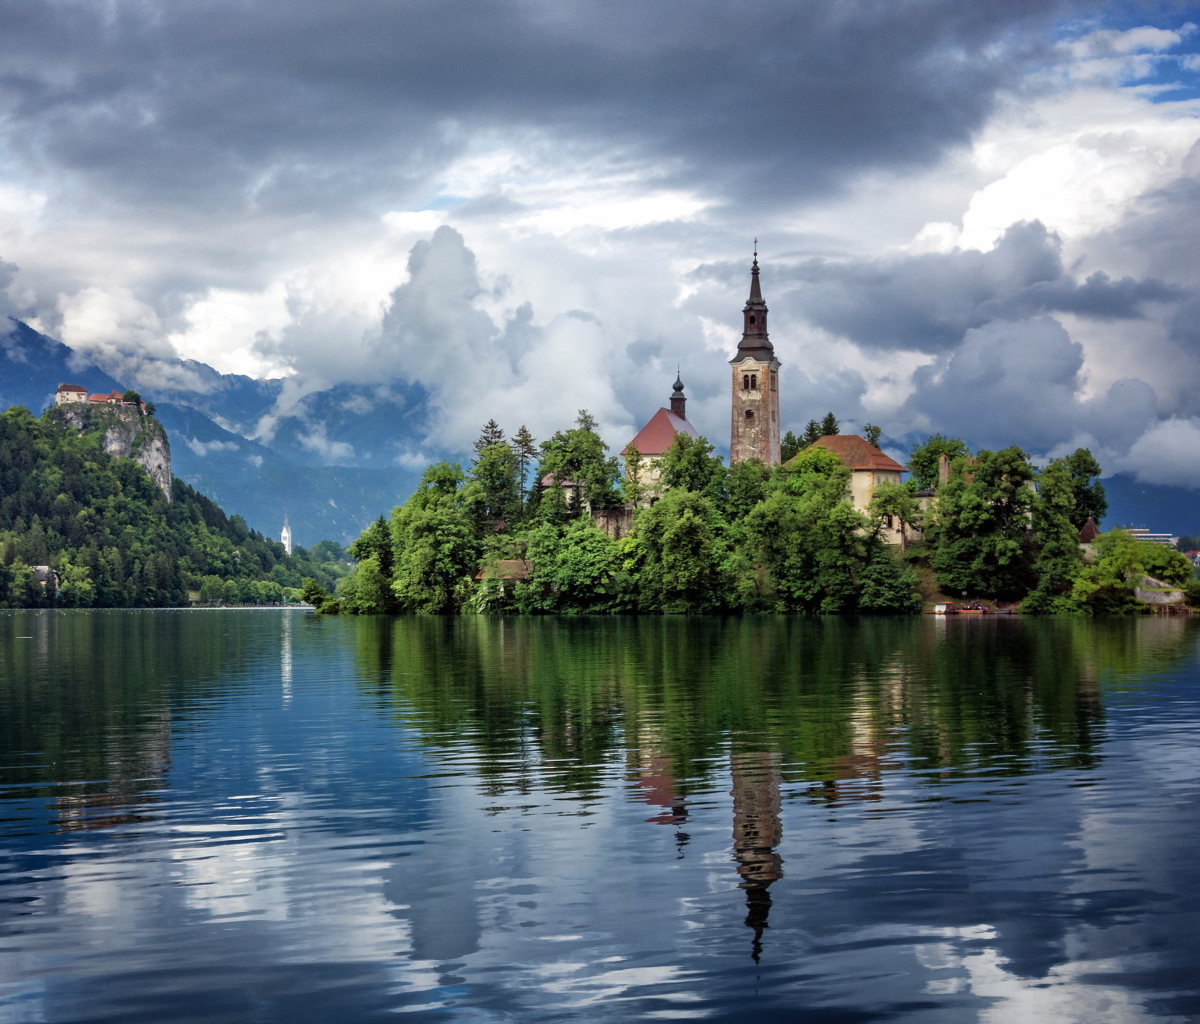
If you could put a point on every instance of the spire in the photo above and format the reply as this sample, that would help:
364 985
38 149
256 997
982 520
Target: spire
755 341
678 399
755 291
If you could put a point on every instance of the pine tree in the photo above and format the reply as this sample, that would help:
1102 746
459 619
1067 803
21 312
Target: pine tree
491 434
525 445
789 446
829 425
812 433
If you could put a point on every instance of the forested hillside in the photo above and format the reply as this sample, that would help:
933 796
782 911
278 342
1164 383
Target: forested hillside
112 539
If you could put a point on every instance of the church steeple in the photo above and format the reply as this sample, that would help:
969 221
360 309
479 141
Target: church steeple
678 399
755 427
755 340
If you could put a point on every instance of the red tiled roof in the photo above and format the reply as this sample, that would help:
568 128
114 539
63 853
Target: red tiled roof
1089 532
656 436
857 453
72 387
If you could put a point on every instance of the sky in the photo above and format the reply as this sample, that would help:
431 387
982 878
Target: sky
978 219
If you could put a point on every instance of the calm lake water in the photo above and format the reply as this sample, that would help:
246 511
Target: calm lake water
267 816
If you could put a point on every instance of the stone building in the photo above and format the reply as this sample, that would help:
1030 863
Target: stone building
655 438
68 394
754 431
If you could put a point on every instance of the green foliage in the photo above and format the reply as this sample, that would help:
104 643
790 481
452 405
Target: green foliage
1090 500
887 585
812 433
311 592
872 434
829 425
574 569
436 547
897 501
1059 560
923 461
525 445
689 465
132 397
679 554
789 446
809 539
632 488
109 531
978 528
810 462
497 468
490 435
747 486
1107 585
578 455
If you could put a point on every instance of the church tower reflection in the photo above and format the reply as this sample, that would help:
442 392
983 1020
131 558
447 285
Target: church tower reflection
757 832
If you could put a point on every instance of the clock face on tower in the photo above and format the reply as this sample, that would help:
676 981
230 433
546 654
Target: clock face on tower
754 421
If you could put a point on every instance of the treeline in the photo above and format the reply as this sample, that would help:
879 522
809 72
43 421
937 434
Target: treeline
745 539
111 539
749 539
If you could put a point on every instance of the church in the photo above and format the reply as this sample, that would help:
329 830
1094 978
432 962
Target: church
754 431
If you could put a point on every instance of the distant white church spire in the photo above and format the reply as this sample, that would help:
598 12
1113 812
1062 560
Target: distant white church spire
285 536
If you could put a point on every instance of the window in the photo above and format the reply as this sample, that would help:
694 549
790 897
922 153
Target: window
749 414
745 382
752 319
889 522
774 381
754 382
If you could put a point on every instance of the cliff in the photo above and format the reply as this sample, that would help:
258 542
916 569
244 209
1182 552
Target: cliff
128 433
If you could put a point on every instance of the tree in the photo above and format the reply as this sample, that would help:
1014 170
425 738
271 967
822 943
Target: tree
829 425
978 526
924 460
1090 500
679 555
789 446
576 570
525 445
633 488
132 398
887 586
436 545
1056 539
578 456
368 590
807 536
491 434
895 502
812 433
497 469
747 486
872 434
689 464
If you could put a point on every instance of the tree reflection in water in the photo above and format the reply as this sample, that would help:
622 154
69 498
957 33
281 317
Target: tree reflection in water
821 709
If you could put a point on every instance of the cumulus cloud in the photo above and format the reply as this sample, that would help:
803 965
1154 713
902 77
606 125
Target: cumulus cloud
976 218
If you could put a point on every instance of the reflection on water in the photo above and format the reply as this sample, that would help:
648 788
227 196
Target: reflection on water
270 816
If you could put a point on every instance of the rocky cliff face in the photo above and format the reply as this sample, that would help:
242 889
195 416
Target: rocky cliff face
128 434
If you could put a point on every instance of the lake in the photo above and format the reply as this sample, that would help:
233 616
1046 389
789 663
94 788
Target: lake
259 816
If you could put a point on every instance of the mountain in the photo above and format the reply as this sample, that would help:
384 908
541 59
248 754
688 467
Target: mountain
325 498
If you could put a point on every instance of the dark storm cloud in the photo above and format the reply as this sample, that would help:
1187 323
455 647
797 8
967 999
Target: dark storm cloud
927 302
266 105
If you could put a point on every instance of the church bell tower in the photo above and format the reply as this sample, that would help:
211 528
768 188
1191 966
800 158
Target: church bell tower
754 432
